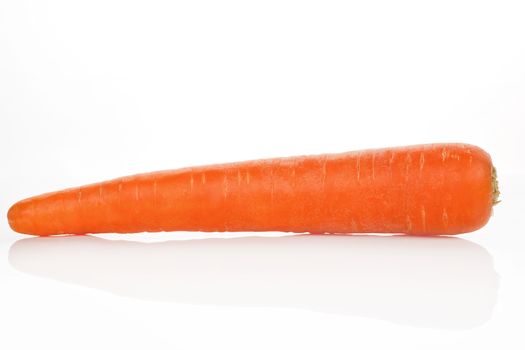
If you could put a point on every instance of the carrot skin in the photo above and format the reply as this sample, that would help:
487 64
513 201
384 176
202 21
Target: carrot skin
419 190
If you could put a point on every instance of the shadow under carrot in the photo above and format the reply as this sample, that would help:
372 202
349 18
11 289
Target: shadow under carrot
440 282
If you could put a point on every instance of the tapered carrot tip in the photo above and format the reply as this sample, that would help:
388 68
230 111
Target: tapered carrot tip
420 190
14 216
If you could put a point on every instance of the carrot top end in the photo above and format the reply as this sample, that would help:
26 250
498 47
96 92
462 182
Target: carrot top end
495 187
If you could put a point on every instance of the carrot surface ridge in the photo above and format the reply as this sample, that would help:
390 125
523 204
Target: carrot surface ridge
419 190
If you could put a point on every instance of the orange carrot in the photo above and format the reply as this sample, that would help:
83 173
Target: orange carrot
423 190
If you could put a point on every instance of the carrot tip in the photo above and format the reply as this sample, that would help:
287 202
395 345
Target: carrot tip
11 214
495 187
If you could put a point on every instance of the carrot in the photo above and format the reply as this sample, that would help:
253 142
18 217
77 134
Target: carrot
421 190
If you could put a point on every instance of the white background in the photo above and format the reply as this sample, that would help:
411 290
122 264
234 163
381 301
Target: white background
95 90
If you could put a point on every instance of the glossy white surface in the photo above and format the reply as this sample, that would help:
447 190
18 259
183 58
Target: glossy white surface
92 91
438 282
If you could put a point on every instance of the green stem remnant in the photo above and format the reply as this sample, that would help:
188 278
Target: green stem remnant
495 189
